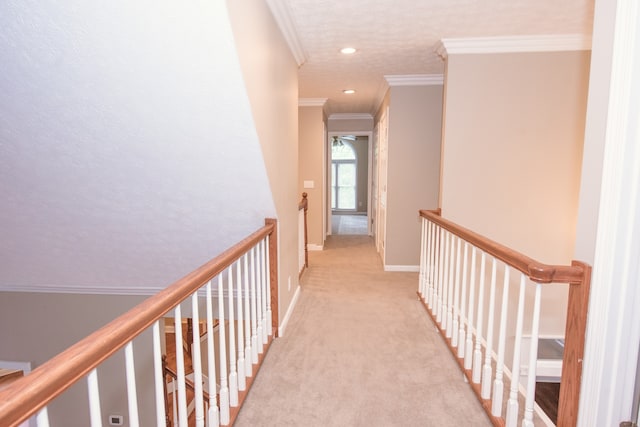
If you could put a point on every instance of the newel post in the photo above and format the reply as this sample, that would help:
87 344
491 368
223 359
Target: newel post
306 240
577 307
273 272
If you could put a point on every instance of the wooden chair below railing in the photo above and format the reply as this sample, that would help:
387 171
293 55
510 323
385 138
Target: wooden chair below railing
459 285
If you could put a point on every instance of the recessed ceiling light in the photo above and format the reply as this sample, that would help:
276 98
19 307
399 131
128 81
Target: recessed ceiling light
348 50
349 91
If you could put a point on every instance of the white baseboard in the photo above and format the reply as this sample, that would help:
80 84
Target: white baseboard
409 268
287 316
312 247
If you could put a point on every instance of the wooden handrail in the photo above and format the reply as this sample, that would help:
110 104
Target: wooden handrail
29 394
577 275
304 204
537 271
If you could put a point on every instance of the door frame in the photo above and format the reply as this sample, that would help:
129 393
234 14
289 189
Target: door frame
327 168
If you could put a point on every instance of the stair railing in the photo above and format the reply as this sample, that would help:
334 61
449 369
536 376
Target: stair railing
303 253
464 283
239 287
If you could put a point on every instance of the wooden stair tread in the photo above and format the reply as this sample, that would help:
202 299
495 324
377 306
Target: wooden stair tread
8 376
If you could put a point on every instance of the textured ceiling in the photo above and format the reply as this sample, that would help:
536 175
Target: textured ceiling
397 37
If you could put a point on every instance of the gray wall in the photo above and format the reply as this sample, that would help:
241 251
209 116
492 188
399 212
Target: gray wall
413 180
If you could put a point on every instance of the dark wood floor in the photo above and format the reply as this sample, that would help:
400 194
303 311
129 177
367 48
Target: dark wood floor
547 395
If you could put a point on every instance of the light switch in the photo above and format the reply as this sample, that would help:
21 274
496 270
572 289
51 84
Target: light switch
309 184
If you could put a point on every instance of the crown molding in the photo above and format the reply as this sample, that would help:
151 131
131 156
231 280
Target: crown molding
282 14
414 79
312 102
513 44
350 116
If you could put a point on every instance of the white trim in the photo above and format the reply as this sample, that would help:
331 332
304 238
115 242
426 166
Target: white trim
92 290
512 44
350 116
409 268
285 320
415 79
312 102
96 290
613 324
282 14
314 247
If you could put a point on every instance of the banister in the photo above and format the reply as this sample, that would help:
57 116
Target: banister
577 275
304 205
537 271
26 396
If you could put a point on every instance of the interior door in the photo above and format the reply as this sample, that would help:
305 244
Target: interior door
383 139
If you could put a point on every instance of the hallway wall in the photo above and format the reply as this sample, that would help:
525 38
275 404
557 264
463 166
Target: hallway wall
271 77
413 172
312 156
512 151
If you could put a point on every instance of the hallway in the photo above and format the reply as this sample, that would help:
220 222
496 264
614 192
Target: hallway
359 350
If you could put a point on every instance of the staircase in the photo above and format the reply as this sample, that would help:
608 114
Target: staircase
170 366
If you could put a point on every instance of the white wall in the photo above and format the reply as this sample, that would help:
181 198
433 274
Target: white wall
128 151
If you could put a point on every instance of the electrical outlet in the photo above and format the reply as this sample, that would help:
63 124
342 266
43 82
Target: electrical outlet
116 420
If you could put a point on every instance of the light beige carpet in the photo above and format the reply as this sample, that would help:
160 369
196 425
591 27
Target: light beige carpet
359 350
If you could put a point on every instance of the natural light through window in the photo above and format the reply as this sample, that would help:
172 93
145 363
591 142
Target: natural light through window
343 176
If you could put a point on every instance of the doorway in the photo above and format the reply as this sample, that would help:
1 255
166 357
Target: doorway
349 183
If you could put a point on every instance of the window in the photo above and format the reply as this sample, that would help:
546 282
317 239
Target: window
343 176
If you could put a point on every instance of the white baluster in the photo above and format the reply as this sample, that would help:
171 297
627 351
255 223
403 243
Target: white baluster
429 276
242 382
456 304
158 375
462 332
94 399
477 353
259 332
132 395
487 370
42 417
498 384
248 366
266 292
432 266
512 403
233 376
468 354
182 388
422 256
267 270
445 283
213 418
533 358
254 314
440 273
224 386
197 362
450 330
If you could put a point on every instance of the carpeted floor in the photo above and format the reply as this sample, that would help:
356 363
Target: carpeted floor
349 224
359 350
